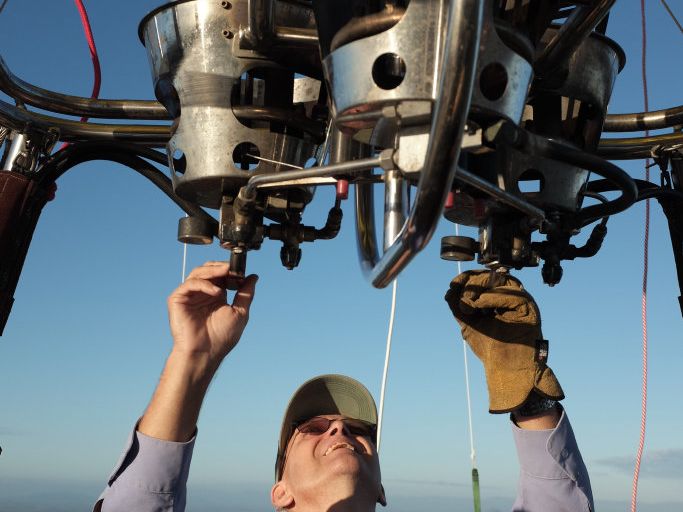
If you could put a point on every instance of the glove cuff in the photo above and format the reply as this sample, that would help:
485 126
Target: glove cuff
536 405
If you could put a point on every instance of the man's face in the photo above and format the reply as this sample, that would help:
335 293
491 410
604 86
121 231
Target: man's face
338 462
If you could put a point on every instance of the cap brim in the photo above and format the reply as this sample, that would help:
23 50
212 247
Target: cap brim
325 394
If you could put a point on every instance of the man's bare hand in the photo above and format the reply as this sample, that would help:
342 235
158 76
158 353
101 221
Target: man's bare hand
203 323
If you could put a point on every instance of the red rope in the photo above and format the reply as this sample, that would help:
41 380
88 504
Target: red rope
646 242
93 51
93 56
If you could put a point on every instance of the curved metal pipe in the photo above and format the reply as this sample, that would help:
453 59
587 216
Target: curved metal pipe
74 131
151 135
66 159
263 31
456 77
133 109
366 26
395 205
366 236
641 121
77 105
261 20
555 150
578 26
634 148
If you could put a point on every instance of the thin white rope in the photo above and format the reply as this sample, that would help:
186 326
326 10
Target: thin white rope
473 453
386 364
184 262
184 267
274 161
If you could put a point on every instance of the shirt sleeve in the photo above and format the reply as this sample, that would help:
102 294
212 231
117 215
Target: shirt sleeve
552 473
151 476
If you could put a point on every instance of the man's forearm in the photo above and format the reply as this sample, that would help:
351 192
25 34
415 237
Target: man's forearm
173 411
546 420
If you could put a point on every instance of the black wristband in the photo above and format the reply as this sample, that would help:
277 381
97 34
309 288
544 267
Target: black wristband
535 405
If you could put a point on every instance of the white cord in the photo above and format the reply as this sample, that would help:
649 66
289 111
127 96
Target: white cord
184 262
386 363
260 158
182 277
473 455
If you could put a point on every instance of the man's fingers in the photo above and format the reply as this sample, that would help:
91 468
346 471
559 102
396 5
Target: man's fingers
210 270
193 285
245 293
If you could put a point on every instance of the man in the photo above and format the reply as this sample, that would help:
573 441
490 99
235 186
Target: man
327 460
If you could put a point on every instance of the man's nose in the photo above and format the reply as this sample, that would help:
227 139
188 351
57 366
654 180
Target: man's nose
338 426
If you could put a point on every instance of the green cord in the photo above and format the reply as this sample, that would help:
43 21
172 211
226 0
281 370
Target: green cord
475 490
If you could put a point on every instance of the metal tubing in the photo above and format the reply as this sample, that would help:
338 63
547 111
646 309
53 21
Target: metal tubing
280 115
500 194
571 34
262 30
457 67
296 36
395 205
366 26
555 150
366 237
248 192
16 147
153 135
261 20
4 132
76 105
73 131
635 147
641 121
130 109
339 145
67 158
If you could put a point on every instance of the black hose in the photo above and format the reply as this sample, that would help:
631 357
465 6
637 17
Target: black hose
332 226
554 150
125 154
646 189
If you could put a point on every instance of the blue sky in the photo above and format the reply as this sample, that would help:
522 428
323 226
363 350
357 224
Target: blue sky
88 335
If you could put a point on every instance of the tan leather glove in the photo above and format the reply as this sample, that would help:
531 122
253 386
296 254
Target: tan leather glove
502 324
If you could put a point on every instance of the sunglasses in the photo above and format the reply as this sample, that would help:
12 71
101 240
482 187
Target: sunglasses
318 426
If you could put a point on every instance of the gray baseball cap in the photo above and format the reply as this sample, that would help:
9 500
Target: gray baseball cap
324 394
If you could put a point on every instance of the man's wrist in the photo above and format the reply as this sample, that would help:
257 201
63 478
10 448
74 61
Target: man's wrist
197 367
173 412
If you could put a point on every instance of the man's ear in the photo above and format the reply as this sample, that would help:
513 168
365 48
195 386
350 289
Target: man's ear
280 496
382 500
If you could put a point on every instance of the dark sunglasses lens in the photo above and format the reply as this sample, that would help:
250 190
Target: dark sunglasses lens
359 429
315 426
318 426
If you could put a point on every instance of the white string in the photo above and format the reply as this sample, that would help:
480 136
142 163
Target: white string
182 277
386 363
473 455
260 158
184 262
